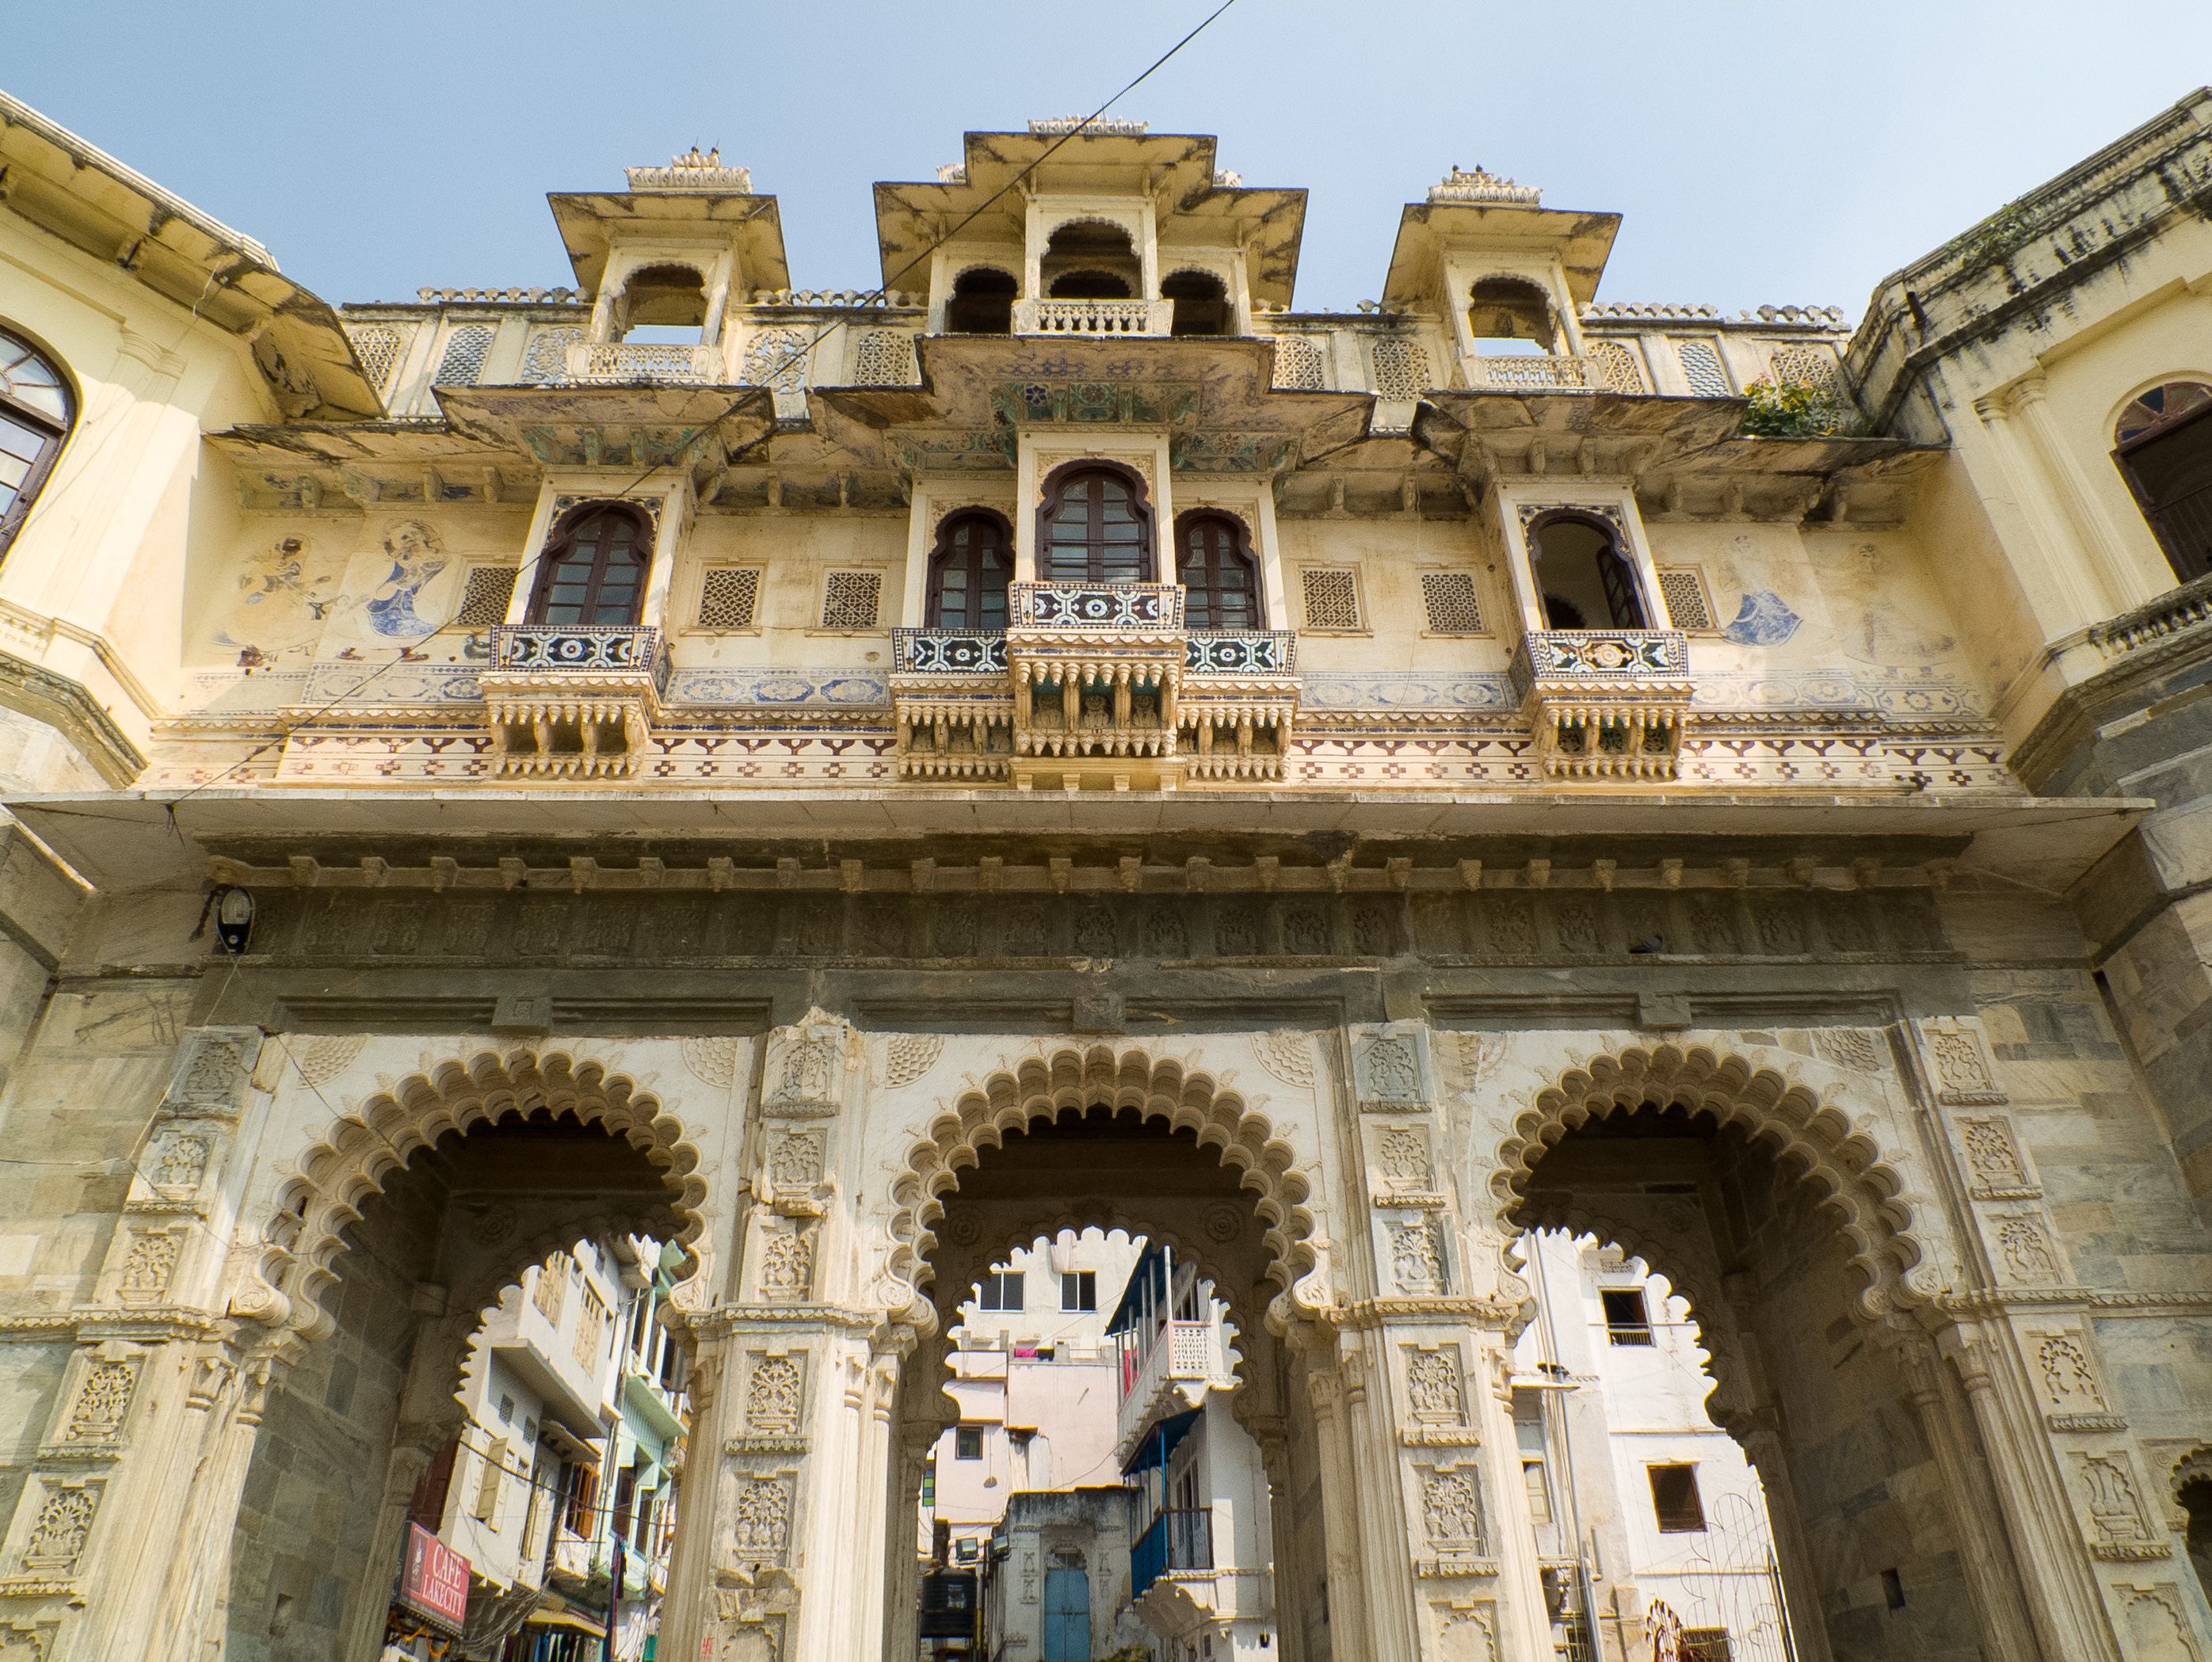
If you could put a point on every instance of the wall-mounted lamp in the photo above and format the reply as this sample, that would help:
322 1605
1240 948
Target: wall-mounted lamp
233 919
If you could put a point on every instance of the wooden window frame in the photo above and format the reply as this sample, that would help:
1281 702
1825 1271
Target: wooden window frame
2154 513
1616 568
562 541
942 553
1057 487
56 436
1239 547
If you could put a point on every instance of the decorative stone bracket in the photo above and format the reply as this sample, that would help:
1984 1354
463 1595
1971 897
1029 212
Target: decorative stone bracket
1607 704
576 701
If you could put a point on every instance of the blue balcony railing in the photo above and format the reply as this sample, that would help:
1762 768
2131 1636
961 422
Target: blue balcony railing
1178 1539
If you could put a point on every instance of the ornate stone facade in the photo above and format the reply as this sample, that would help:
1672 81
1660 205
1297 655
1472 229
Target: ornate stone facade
1331 932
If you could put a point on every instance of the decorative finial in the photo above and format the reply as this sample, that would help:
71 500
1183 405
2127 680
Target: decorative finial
1480 184
694 169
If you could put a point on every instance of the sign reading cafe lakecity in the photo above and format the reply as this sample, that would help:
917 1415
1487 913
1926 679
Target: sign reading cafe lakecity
433 1579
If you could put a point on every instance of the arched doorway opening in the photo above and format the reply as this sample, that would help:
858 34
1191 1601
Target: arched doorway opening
1206 1216
1092 260
1783 1235
514 1187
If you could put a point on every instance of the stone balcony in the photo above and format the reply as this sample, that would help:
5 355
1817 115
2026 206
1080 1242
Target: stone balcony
1093 317
1546 372
644 363
575 700
1167 1376
1607 704
1095 685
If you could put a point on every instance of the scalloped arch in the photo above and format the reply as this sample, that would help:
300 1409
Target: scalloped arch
1814 1141
1130 1078
361 1152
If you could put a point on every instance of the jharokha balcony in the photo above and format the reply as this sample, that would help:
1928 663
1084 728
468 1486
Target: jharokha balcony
1607 704
575 700
1096 685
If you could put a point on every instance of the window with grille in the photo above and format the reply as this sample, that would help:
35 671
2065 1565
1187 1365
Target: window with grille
1332 598
463 356
1401 368
484 594
967 1443
1095 527
1449 599
594 571
1220 584
850 599
1626 1320
1078 1290
1688 606
377 346
1000 1289
1804 365
1701 367
885 359
1703 1645
1617 366
969 572
1675 1499
1299 364
729 597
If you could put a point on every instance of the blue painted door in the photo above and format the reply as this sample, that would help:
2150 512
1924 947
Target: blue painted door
1067 1616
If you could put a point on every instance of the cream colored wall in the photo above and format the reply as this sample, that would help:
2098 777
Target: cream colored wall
95 586
1388 556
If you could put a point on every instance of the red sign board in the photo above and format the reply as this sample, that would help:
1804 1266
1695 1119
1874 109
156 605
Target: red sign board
433 1579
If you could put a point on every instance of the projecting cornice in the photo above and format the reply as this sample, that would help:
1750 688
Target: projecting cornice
73 190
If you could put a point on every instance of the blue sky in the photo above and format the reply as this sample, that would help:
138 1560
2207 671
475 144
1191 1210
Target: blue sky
1781 153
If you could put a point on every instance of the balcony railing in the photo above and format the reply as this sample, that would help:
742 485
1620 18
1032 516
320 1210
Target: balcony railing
1550 372
578 649
1602 654
948 652
1180 1353
1179 1539
1240 652
1112 607
1093 317
631 363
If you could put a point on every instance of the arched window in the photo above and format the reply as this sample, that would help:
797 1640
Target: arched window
983 302
969 571
593 570
2163 451
35 413
1095 527
1220 584
1202 303
662 303
1509 316
1091 260
1586 581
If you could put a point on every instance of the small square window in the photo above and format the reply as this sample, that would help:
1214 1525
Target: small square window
1626 1320
1000 1289
1078 1290
729 597
850 599
1449 599
1675 1500
1332 598
1688 606
967 1443
484 594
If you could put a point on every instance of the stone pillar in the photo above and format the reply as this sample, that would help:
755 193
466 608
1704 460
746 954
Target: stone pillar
1350 1629
1992 1576
135 1485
